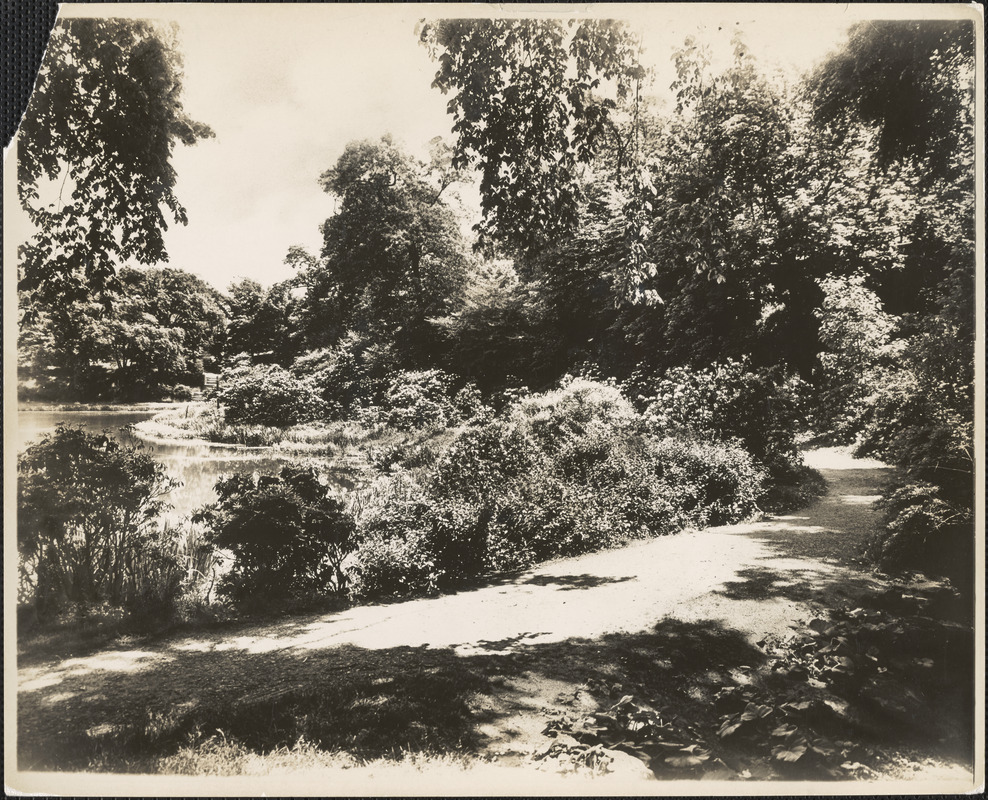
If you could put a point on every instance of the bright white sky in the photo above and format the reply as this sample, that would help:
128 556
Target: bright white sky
285 87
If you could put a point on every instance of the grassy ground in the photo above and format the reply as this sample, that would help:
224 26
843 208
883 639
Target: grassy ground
202 422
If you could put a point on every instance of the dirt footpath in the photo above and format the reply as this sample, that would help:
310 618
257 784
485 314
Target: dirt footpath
485 665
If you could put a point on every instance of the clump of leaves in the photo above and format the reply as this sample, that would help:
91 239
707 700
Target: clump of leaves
288 535
667 745
829 699
88 525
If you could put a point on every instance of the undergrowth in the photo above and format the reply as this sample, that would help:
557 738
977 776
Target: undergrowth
833 701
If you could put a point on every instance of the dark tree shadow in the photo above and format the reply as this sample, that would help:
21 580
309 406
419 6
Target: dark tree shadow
571 582
509 643
386 702
797 585
367 702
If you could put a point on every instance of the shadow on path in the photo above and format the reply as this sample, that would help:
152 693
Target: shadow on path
368 702
571 582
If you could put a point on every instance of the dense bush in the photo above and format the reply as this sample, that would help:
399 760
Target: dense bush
558 474
923 531
418 399
267 394
181 393
572 411
761 408
393 557
88 530
352 375
289 538
922 421
857 357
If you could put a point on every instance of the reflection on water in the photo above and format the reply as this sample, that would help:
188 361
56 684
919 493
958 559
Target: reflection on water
196 466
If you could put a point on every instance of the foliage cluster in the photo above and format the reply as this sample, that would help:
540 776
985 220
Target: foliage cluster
268 394
288 536
560 473
857 358
422 398
89 532
811 710
160 327
106 112
922 530
762 409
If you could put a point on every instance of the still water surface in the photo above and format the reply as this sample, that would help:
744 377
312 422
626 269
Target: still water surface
196 466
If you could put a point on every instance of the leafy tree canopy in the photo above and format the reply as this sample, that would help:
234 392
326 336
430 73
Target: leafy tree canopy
101 125
393 254
161 326
913 81
531 100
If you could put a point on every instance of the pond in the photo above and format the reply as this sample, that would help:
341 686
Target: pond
196 466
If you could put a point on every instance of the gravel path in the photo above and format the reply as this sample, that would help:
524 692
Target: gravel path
512 650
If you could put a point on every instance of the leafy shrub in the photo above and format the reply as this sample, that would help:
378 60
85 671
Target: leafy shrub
87 524
730 400
794 490
392 557
468 402
352 375
394 565
566 413
921 419
558 474
267 394
923 531
914 426
181 393
481 460
289 538
712 483
419 399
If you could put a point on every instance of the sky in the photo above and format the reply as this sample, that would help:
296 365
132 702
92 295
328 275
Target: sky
286 87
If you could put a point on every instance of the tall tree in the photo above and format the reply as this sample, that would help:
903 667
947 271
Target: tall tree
101 127
179 299
393 255
912 85
261 323
531 101
913 81
161 327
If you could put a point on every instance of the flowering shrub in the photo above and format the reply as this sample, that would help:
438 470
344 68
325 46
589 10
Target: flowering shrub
730 400
419 399
711 483
564 414
267 394
392 557
562 473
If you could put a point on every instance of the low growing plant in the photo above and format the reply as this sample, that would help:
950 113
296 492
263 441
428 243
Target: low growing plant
88 527
288 536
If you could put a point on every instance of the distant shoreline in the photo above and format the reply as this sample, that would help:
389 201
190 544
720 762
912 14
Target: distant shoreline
122 408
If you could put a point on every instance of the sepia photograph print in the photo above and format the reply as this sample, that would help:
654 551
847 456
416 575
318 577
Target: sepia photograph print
491 399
